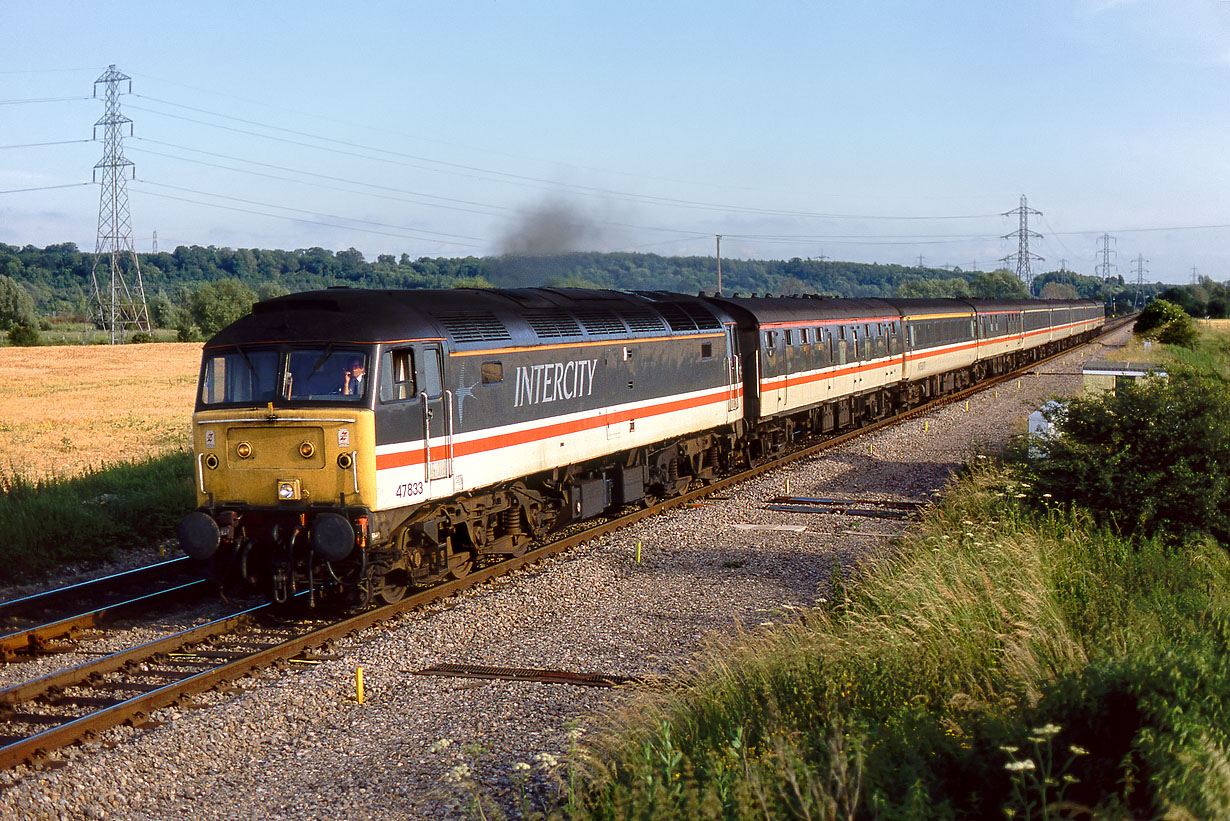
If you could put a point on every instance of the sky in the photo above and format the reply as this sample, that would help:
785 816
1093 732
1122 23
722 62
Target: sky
889 131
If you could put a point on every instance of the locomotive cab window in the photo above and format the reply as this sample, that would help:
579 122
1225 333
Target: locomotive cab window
706 350
239 376
397 376
329 374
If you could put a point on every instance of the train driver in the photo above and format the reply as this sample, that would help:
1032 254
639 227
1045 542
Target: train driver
354 379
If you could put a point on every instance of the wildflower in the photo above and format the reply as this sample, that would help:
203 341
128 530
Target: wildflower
575 733
1078 750
441 745
457 774
1020 496
1047 730
546 761
521 767
1018 766
1046 496
1011 750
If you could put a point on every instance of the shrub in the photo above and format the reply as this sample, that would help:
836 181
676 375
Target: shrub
1168 323
23 335
1149 458
142 337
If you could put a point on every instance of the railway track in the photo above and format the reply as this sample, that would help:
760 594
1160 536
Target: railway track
30 626
57 710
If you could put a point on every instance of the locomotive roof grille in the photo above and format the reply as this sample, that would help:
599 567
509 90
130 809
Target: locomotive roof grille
598 322
552 324
704 320
676 317
641 321
473 326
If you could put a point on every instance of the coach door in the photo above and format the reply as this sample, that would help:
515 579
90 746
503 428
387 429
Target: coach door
733 376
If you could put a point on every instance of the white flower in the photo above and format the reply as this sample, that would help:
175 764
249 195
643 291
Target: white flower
457 774
440 745
521 767
1047 730
575 733
546 761
1018 766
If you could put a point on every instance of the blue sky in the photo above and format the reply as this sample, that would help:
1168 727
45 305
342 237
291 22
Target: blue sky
861 131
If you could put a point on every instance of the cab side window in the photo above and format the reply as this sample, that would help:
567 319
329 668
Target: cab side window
433 375
397 376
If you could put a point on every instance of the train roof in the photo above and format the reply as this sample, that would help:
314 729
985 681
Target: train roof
469 317
770 310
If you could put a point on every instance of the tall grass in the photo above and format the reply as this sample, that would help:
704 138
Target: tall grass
47 523
916 692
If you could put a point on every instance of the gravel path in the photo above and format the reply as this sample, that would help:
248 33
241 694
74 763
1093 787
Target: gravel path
294 744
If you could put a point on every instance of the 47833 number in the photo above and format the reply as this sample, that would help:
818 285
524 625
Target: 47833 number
409 489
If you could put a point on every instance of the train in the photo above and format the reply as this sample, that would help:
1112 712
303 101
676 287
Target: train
353 444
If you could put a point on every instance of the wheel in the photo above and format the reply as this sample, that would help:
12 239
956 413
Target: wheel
393 586
460 565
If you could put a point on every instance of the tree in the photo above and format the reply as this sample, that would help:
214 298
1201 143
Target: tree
215 305
16 305
1058 290
1000 284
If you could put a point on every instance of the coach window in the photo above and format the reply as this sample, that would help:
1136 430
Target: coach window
770 341
789 338
706 350
397 376
493 373
802 336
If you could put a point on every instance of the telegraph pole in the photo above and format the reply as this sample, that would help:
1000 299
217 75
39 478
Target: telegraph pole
122 309
719 260
1023 234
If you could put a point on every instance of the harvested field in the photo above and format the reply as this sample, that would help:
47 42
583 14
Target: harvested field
66 408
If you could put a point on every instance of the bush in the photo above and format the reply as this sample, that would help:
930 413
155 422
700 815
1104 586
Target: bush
23 336
1168 323
1149 458
141 337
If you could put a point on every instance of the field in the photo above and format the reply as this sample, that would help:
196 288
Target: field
65 409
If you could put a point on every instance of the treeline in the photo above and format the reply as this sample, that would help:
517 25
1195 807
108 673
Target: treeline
55 280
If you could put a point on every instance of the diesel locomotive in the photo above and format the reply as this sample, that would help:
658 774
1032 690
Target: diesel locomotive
360 442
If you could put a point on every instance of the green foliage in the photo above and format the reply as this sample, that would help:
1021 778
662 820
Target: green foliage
908 695
141 337
16 305
1148 458
1156 315
23 335
57 276
48 523
215 305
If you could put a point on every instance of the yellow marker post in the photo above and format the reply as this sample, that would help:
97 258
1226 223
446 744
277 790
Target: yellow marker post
358 684
787 485
638 552
926 425
967 404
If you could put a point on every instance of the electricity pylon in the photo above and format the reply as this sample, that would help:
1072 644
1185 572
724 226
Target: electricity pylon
1023 234
122 308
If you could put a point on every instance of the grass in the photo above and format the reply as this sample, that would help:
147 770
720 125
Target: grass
48 523
967 675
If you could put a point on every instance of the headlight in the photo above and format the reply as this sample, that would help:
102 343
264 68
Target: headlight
211 461
288 490
344 461
244 450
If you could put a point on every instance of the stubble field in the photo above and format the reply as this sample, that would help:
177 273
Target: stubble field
67 408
